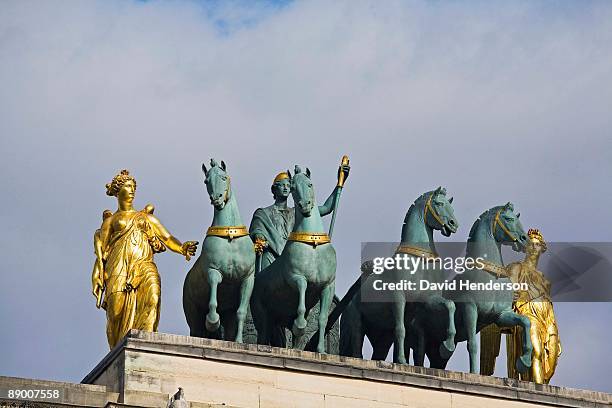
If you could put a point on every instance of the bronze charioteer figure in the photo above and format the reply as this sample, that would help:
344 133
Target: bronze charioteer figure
270 229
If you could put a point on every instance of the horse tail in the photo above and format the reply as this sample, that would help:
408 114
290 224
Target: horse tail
193 314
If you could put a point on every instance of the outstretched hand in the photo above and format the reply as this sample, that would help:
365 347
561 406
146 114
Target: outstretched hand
189 249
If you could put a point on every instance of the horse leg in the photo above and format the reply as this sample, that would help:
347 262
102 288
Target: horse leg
246 289
351 332
419 347
448 345
470 318
192 314
260 318
399 306
228 321
212 318
280 336
508 318
299 324
433 354
327 294
381 343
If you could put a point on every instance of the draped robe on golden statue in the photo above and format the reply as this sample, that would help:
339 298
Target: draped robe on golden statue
536 304
125 279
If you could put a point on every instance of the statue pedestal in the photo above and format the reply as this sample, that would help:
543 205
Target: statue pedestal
148 367
145 369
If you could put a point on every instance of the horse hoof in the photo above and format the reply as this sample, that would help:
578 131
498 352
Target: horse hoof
212 322
523 364
299 327
447 349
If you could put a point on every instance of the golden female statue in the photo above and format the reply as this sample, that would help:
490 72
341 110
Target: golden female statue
124 271
536 304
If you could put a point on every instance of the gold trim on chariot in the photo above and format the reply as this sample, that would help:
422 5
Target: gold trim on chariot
229 232
497 270
416 251
312 238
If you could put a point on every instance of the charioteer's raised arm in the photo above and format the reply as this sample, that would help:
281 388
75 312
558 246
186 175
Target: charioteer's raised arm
332 201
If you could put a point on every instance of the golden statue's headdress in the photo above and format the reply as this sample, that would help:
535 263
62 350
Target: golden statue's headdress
534 233
112 188
280 176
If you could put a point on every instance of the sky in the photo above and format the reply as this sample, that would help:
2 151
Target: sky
495 101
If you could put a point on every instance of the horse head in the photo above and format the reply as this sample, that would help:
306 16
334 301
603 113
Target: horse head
506 227
302 191
438 212
217 183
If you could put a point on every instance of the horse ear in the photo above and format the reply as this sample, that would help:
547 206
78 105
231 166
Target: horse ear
518 215
307 172
289 174
509 206
223 165
204 169
450 200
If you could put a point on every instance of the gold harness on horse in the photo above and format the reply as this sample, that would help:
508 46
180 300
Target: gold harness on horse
312 238
229 232
416 251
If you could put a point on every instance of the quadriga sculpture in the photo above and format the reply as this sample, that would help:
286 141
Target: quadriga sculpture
303 275
218 287
385 321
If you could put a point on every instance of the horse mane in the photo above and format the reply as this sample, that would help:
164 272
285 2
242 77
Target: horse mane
416 203
484 216
413 206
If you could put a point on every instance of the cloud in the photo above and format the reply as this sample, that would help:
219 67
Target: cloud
496 102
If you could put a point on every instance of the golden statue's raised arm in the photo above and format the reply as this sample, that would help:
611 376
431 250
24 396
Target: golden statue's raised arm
187 249
124 269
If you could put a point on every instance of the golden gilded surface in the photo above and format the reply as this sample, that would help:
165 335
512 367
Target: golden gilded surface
125 279
230 232
495 269
341 175
312 238
416 251
536 304
259 245
280 176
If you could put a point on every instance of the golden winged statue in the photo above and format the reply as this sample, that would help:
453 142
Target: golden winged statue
536 304
125 279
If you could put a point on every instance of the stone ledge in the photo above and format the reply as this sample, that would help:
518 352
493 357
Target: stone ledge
71 394
337 366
